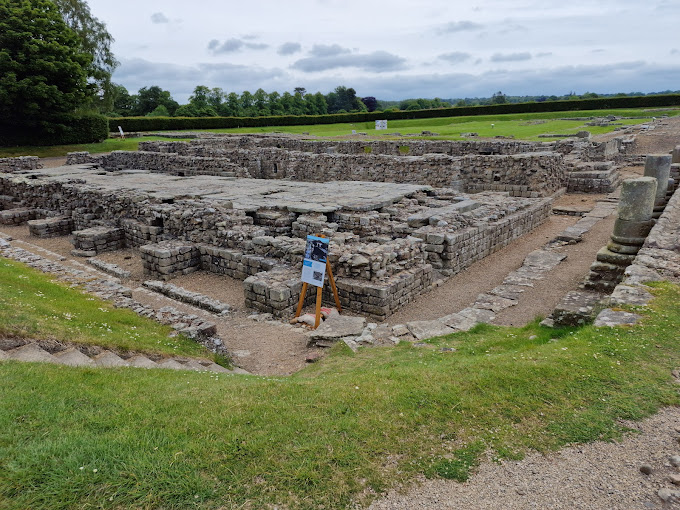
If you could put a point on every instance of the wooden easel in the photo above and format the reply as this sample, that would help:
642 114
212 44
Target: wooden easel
319 292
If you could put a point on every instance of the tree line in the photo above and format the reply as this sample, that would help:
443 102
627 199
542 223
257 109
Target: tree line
215 102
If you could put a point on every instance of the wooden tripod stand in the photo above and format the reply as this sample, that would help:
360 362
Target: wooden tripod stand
319 291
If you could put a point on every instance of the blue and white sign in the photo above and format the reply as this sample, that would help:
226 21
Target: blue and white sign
314 263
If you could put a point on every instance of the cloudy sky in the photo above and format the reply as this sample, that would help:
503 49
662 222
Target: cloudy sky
396 49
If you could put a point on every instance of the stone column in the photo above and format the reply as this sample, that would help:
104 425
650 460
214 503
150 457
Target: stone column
634 222
675 167
675 157
659 167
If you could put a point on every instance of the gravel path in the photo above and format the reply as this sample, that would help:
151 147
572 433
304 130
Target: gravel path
597 476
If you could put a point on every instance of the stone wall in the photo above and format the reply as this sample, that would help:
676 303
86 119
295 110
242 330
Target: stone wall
167 259
278 291
91 241
524 174
20 163
50 227
406 147
172 164
17 216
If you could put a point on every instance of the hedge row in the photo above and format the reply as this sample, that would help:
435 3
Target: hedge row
188 123
64 130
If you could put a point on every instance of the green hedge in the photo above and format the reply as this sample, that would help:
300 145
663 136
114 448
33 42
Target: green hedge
63 130
187 123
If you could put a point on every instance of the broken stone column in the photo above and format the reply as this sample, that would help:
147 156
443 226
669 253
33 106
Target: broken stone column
659 167
675 168
634 222
675 156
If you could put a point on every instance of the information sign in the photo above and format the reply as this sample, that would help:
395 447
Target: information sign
314 263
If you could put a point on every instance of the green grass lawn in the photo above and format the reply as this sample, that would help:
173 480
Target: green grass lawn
332 433
525 126
33 305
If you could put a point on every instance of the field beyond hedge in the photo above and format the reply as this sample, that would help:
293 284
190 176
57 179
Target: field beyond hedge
525 126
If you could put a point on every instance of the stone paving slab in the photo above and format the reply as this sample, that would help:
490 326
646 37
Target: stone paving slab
543 259
459 322
338 326
493 303
429 329
627 295
611 318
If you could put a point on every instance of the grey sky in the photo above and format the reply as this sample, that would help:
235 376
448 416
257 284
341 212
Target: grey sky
396 49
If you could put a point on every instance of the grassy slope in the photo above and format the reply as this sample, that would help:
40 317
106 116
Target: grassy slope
32 305
148 439
521 126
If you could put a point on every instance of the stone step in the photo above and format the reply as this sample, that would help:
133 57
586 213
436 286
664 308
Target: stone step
74 358
108 359
141 361
171 364
577 308
31 352
194 365
214 367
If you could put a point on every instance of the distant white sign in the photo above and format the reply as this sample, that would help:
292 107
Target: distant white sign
381 124
122 135
314 263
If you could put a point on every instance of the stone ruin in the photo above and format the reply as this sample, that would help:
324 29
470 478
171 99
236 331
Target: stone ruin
400 215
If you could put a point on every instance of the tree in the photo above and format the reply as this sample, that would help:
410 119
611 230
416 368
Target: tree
94 40
186 110
150 98
274 103
343 98
261 103
300 90
232 108
499 98
160 111
123 102
42 66
370 102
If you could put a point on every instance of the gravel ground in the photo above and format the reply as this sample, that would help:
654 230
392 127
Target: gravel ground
597 476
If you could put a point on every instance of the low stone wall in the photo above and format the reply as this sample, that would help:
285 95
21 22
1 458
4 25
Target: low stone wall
233 263
21 163
81 158
278 291
598 177
50 227
386 147
452 252
530 174
168 259
172 164
91 241
17 216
